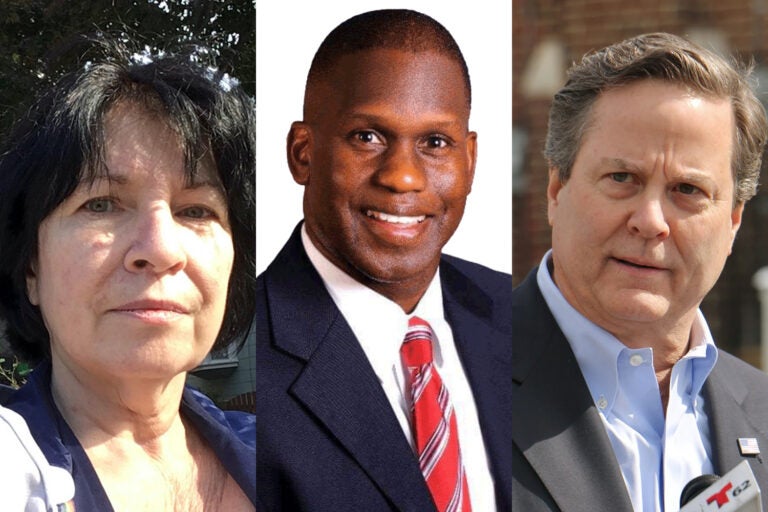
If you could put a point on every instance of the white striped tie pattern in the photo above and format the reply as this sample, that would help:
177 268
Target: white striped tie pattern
434 422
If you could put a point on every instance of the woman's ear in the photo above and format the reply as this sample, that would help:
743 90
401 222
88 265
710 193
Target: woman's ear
32 291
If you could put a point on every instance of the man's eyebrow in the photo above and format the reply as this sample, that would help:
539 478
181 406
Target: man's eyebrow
694 176
621 164
439 119
684 174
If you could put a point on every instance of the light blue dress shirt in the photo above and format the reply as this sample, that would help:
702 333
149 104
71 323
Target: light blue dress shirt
657 457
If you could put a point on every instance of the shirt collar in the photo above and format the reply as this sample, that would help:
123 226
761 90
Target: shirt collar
378 323
598 352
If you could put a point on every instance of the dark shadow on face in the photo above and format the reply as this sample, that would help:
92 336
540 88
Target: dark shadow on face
387 162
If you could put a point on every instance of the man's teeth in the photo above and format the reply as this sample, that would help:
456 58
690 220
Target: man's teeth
395 219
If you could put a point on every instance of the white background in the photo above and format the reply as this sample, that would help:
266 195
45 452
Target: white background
287 36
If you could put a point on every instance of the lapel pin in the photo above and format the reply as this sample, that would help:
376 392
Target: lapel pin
748 446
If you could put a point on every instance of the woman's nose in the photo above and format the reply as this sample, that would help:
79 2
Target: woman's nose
157 243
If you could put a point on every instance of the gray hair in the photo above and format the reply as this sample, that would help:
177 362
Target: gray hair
665 57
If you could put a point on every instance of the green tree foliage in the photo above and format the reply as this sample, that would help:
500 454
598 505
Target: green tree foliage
40 38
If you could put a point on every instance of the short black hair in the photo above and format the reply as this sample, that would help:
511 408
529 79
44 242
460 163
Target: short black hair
394 29
59 143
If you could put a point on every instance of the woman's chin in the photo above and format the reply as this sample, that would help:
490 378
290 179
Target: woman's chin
142 367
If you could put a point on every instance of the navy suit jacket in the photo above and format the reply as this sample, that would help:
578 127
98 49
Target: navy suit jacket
328 439
562 457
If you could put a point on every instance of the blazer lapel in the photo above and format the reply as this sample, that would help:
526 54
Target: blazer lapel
729 419
486 354
555 423
338 385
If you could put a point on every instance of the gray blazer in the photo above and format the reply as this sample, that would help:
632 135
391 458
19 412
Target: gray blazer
562 458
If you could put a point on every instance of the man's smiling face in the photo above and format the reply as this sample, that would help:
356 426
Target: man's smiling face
387 162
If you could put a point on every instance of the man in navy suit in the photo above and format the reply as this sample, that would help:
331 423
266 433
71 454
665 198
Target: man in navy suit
386 160
620 396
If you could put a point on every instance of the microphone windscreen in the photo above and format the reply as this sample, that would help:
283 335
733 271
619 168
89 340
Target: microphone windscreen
696 487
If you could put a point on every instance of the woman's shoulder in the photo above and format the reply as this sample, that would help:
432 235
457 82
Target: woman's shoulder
209 418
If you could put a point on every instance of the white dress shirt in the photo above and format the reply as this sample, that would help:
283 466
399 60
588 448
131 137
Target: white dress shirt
380 324
657 455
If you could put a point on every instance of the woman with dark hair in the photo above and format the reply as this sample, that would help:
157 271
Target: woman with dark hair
126 255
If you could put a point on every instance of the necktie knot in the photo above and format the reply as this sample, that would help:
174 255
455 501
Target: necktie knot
416 350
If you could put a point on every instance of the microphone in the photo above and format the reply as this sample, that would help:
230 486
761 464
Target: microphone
696 487
736 491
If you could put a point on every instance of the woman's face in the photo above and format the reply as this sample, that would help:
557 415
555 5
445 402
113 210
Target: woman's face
132 271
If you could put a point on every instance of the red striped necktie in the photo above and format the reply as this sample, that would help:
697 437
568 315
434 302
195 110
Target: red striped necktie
434 423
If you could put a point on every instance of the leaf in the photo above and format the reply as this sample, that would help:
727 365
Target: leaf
23 369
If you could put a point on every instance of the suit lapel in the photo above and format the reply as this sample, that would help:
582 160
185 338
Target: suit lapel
486 355
555 423
338 385
729 420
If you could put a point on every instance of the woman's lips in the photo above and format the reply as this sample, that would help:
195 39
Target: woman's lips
152 311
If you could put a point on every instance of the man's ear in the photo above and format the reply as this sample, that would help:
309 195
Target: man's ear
298 146
553 189
32 290
471 157
736 215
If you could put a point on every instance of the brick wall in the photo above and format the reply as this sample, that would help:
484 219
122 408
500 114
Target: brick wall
583 25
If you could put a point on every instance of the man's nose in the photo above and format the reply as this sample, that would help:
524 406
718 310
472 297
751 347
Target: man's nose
402 169
648 218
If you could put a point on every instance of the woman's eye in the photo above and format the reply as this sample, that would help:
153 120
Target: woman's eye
100 205
197 212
